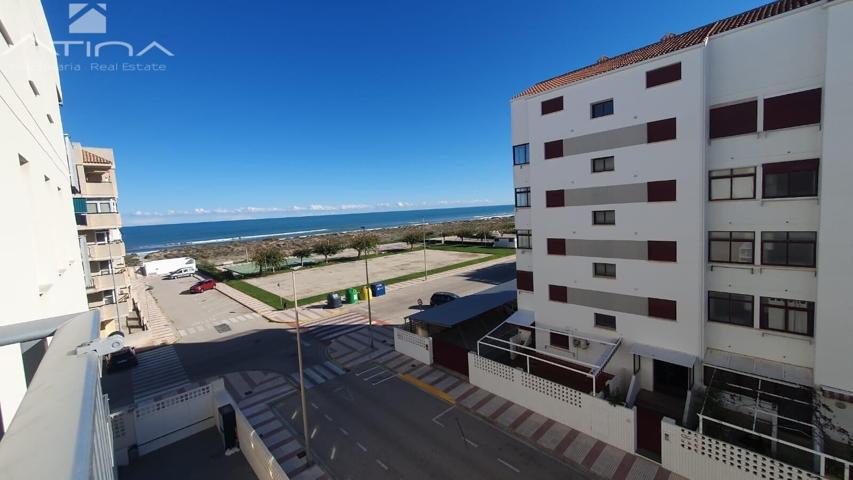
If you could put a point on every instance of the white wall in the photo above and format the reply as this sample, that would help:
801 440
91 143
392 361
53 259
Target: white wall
40 251
413 345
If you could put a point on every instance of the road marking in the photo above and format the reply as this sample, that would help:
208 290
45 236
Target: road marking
368 370
346 433
374 375
295 412
328 417
384 379
362 447
471 443
429 388
315 406
435 418
334 449
314 432
507 465
382 464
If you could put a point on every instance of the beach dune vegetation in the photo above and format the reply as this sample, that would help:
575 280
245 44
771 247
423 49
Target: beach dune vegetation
327 247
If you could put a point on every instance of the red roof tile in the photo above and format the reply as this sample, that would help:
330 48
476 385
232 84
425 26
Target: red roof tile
89 157
669 45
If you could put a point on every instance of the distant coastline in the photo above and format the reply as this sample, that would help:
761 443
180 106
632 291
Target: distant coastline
150 238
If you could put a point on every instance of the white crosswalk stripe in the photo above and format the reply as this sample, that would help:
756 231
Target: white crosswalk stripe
159 370
318 374
331 328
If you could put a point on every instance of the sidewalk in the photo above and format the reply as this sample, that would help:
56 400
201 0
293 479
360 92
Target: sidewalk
565 442
159 329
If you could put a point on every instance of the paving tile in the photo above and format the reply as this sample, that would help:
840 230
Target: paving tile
475 397
642 469
433 376
624 467
579 448
445 382
551 438
276 437
260 417
292 463
491 406
268 427
608 461
510 415
488 398
566 441
529 426
460 390
286 449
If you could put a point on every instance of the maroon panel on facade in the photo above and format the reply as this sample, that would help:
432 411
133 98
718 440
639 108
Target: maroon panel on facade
661 191
663 251
553 149
556 246
792 110
662 75
792 166
552 105
524 280
558 293
555 198
660 308
661 130
732 120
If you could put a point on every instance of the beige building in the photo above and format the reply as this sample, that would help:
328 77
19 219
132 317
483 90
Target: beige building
93 181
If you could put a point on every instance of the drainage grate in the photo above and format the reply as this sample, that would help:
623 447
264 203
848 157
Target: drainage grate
222 328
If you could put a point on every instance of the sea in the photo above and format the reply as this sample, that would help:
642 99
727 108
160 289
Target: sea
148 238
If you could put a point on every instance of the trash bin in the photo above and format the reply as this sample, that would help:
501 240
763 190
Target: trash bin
333 300
377 289
352 296
365 292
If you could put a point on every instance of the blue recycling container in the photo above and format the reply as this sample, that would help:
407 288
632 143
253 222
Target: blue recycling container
377 289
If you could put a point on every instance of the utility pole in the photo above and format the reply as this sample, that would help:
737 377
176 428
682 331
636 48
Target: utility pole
423 229
367 287
301 371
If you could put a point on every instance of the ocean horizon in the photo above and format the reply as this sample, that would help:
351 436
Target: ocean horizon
146 238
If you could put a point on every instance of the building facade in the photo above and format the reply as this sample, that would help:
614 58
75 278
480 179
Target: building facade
93 179
689 198
41 256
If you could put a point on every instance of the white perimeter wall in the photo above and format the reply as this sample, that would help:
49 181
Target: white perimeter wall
415 346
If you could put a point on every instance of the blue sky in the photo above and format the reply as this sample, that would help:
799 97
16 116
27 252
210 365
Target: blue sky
275 108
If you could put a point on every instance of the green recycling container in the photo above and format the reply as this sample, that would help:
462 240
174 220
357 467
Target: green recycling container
352 296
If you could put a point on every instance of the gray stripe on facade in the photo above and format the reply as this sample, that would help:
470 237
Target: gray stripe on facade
594 142
627 249
609 301
627 193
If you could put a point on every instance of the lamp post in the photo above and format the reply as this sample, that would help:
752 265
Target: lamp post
367 287
113 275
423 229
301 371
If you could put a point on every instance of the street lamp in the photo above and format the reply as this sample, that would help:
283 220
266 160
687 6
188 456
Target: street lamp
301 370
423 229
367 287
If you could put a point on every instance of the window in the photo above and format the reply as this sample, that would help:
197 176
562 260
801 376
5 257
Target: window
661 191
731 308
559 340
605 321
661 130
521 154
558 293
556 246
552 105
795 249
522 197
604 270
523 239
792 110
553 149
660 308
662 75
604 217
109 297
731 184
524 280
91 207
49 119
601 109
101 238
792 316
731 247
662 251
603 164
731 120
5 34
790 179
34 88
555 198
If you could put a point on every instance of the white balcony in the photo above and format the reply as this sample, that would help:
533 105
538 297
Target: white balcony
106 251
101 282
98 189
101 221
108 311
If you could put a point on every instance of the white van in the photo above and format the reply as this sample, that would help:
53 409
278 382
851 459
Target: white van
181 273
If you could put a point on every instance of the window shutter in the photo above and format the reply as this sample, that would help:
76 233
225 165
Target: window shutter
732 120
661 130
555 198
661 191
662 251
524 280
552 105
792 110
556 246
558 293
662 75
553 149
660 308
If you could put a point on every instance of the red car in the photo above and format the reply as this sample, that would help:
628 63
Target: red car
203 286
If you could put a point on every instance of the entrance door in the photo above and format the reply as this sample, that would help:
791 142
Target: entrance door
671 379
449 355
648 433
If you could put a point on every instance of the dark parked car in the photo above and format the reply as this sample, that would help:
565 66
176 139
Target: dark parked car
122 359
440 298
203 286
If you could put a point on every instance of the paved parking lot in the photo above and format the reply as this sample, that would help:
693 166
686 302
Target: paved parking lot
185 309
318 280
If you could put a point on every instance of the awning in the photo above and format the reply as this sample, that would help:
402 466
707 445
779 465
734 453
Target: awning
522 318
466 308
760 367
664 355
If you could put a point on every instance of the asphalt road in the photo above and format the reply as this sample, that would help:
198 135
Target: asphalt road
370 425
184 309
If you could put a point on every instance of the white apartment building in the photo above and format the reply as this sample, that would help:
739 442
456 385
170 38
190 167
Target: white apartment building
690 200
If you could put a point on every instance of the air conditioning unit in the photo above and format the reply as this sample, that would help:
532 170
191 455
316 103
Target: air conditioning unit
581 343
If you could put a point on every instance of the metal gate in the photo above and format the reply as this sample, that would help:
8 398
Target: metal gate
450 356
648 433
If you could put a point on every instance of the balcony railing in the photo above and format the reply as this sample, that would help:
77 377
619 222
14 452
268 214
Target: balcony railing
104 281
100 189
106 251
108 311
102 220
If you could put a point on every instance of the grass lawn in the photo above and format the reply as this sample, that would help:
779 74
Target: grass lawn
274 301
